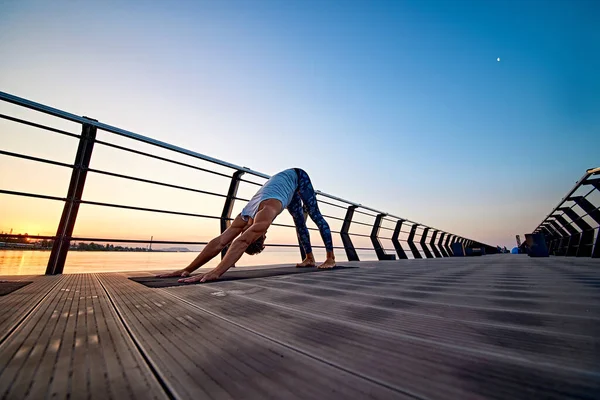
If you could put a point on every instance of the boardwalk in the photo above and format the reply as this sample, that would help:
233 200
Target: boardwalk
506 327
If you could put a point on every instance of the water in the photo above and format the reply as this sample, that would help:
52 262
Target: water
33 262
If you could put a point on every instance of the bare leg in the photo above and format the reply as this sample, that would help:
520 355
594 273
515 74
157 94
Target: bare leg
308 197
309 261
329 262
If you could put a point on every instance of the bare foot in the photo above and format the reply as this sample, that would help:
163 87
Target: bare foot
328 264
308 262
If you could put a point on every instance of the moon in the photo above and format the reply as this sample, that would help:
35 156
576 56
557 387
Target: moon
498 59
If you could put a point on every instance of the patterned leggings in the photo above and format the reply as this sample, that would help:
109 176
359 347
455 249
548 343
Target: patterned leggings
306 194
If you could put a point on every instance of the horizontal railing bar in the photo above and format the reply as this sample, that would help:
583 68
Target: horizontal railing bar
319 193
331 204
97 203
13 236
296 246
359 235
159 211
332 217
364 213
176 149
373 210
361 223
156 183
36 159
143 153
106 240
39 196
253 183
121 132
293 226
316 229
47 128
112 240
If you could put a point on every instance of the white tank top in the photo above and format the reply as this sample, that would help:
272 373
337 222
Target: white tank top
281 186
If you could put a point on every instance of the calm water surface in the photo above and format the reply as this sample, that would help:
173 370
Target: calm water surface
30 262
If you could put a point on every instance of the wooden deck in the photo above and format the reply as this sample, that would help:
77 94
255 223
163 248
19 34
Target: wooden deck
500 326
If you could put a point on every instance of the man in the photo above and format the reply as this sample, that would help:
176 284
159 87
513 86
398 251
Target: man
287 189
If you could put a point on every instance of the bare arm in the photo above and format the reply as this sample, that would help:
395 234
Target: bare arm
263 220
212 249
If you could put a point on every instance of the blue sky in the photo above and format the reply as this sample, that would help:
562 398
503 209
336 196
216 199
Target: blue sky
400 105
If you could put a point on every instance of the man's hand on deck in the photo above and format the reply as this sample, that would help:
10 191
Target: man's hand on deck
209 276
182 272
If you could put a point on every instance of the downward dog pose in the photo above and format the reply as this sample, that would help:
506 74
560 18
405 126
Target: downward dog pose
288 189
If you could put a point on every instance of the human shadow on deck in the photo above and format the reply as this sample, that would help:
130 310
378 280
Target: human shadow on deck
9 287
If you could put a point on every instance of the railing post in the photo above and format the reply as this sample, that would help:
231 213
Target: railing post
447 244
596 253
574 238
379 250
586 240
424 244
558 236
399 250
434 244
441 245
60 247
229 202
348 246
594 214
411 242
550 239
564 237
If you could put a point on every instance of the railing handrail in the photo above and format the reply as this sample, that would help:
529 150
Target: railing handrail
122 132
132 135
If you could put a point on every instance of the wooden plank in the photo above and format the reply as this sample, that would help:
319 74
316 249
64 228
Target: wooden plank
535 343
15 306
494 311
498 298
200 355
360 341
73 346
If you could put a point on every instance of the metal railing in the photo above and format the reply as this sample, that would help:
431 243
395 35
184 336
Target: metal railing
571 233
436 245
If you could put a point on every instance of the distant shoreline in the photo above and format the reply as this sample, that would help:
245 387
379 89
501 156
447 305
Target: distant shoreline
98 251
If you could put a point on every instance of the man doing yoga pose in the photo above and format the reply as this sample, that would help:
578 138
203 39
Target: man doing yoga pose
288 189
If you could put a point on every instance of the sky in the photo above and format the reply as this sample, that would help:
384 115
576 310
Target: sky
399 105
